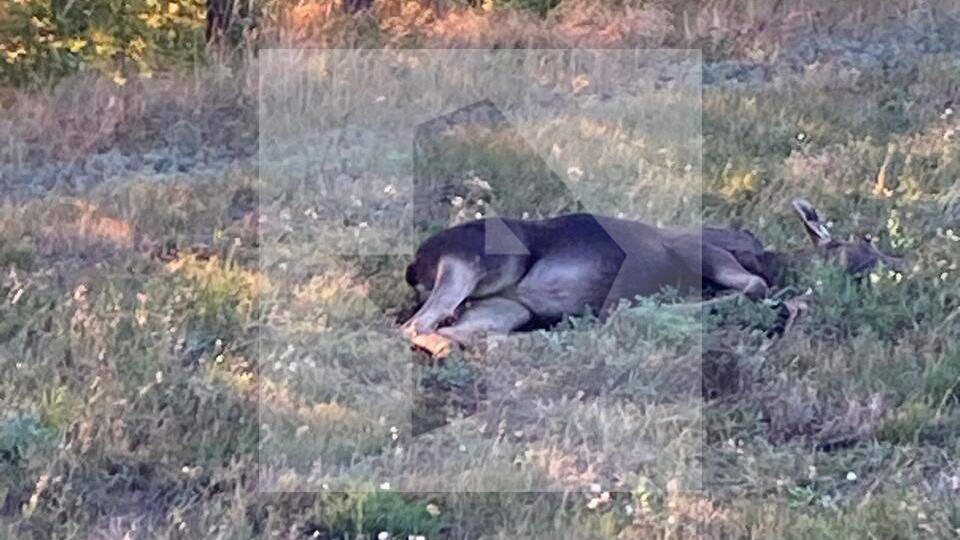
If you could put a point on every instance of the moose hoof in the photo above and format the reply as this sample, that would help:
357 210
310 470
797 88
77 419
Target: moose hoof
756 288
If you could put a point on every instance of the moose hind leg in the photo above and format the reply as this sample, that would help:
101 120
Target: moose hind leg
721 267
495 315
717 265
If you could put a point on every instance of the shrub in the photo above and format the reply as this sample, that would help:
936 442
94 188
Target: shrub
44 40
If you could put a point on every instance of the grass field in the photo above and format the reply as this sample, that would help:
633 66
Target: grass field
178 341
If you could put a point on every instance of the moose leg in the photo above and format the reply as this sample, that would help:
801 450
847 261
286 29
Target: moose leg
721 267
718 265
494 315
482 318
455 282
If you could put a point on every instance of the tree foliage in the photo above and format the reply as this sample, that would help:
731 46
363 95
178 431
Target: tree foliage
42 40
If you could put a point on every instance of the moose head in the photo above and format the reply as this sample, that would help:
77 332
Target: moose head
856 256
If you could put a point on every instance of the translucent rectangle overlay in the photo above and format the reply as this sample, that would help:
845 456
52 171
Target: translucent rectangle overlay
363 154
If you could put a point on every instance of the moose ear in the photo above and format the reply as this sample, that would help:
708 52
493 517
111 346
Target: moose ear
816 229
411 275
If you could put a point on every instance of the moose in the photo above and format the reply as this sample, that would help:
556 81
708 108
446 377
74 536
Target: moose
495 276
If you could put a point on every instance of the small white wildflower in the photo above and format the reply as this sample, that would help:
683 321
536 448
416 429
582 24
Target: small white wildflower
482 184
595 488
325 486
433 510
478 215
593 504
80 292
385 486
672 520
525 215
851 476
463 448
390 190
628 509
363 225
801 136
384 535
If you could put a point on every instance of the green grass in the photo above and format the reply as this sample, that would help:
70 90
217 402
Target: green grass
137 398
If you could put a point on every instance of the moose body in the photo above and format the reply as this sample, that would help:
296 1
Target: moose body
501 275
